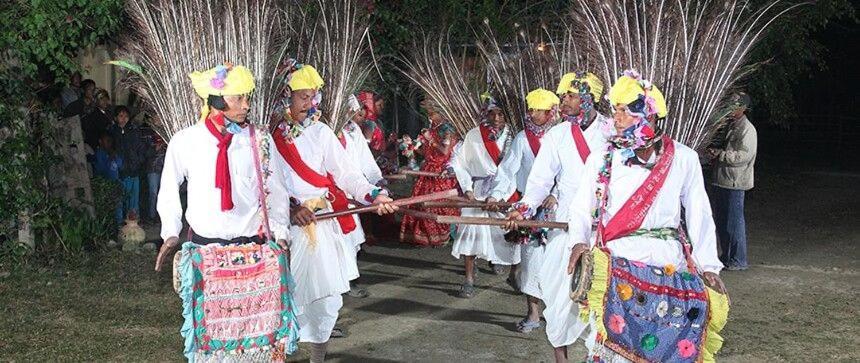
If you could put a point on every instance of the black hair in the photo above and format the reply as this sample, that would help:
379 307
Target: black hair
217 102
376 97
87 82
121 108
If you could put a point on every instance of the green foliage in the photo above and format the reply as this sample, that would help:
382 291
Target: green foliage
49 33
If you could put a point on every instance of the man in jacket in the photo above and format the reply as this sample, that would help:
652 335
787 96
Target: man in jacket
733 175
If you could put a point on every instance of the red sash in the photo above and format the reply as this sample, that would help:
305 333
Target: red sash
490 145
579 140
342 139
338 203
629 218
534 141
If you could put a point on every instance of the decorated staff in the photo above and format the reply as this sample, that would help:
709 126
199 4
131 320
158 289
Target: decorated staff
319 174
645 261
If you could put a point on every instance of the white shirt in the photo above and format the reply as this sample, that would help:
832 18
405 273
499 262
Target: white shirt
191 155
513 173
321 151
358 149
558 159
472 160
684 186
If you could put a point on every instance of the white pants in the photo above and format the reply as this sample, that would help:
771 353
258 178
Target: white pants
484 242
528 274
563 325
316 320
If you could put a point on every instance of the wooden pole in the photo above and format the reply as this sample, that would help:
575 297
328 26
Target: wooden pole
464 204
499 222
400 203
422 173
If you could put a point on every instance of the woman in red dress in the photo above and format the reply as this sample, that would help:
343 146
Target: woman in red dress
437 146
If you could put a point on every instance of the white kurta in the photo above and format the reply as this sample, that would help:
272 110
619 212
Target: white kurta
191 155
512 176
684 186
475 171
323 270
359 153
558 162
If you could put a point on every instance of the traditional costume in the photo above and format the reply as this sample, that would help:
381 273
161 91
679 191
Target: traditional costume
475 164
424 232
234 280
512 179
647 302
317 169
560 164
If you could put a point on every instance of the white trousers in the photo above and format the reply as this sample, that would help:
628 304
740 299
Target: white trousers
316 320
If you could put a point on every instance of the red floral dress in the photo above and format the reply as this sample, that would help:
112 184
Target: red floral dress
423 232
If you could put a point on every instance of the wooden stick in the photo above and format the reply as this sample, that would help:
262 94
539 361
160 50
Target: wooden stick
400 203
482 220
464 204
421 173
395 177
499 222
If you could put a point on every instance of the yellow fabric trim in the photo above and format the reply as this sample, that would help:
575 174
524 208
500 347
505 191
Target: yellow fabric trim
564 86
719 315
541 99
314 205
597 292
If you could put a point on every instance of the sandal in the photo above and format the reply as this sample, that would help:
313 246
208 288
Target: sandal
357 292
526 326
467 290
338 333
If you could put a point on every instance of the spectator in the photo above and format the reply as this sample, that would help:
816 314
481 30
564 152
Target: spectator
733 176
72 92
85 104
108 164
130 147
155 162
98 120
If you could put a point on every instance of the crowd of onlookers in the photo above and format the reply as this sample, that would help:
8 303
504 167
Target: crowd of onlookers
117 146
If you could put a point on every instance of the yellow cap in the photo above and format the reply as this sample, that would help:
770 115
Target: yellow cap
594 84
541 99
305 77
628 89
223 80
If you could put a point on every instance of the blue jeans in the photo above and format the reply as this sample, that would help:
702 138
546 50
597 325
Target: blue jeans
153 180
731 226
131 195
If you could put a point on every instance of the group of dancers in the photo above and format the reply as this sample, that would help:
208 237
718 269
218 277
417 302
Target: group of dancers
633 200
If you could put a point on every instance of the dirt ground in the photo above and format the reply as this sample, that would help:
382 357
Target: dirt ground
796 303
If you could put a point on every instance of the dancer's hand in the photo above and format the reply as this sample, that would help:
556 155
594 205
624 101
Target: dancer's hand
714 281
575 254
470 196
166 249
384 206
512 217
490 207
302 216
549 203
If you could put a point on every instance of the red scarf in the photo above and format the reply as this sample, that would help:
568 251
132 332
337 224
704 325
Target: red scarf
222 165
579 140
495 154
534 142
338 203
490 145
629 218
366 99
